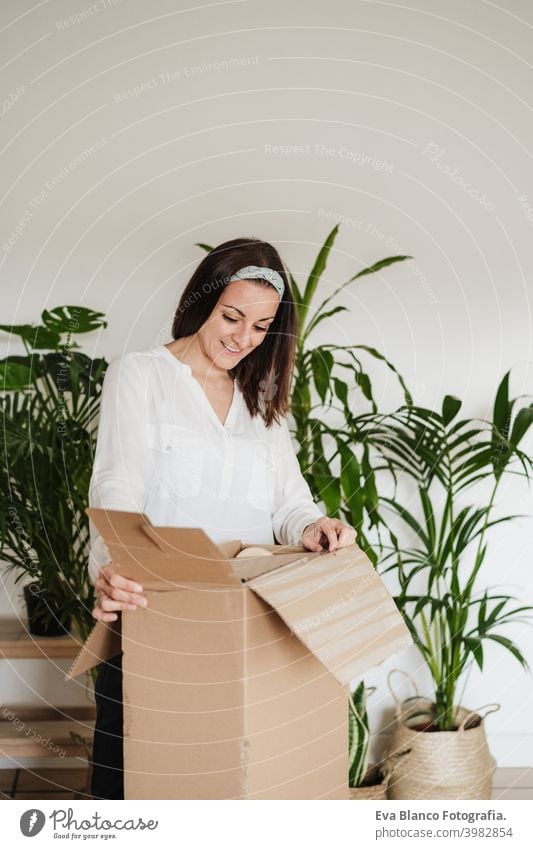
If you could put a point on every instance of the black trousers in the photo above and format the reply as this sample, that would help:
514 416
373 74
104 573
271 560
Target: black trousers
108 760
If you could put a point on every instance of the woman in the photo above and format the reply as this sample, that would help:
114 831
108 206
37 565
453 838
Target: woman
193 434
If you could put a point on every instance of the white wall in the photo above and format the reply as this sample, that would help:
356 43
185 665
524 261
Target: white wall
416 119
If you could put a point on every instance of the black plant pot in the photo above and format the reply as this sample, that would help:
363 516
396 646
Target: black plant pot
38 601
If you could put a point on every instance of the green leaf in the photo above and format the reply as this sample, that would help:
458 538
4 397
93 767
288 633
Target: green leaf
450 407
72 319
510 646
429 517
476 647
341 390
322 364
15 374
358 735
371 492
377 266
410 520
521 425
74 382
317 270
329 492
320 317
38 338
501 412
350 478
494 613
300 309
204 247
363 380
297 295
374 353
420 605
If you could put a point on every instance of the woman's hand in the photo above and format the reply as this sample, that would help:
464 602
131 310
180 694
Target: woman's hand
115 592
326 531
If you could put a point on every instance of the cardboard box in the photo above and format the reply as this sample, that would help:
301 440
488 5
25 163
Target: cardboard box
235 675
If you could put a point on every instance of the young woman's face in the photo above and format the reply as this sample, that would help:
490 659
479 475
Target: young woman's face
239 321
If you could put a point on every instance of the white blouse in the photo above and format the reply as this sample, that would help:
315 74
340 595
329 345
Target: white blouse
163 451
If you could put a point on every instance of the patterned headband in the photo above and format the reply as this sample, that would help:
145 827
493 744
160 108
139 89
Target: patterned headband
251 272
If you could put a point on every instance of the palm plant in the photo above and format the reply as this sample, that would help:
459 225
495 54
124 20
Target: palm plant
449 619
49 406
352 492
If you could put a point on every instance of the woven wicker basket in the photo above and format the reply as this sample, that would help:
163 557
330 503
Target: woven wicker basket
371 791
440 764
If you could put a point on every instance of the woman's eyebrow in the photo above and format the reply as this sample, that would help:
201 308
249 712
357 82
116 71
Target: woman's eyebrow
241 312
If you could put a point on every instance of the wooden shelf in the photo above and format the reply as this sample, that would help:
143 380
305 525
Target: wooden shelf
31 738
17 642
28 731
48 713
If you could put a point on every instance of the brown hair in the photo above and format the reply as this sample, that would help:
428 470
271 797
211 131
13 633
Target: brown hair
264 376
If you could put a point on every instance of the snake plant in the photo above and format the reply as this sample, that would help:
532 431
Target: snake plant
358 735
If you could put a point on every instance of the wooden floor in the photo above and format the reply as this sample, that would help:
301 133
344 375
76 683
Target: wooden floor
47 783
513 784
72 784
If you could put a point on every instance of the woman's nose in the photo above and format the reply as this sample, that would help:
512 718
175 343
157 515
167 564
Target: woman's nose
242 340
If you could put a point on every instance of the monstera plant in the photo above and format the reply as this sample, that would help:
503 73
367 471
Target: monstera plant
49 405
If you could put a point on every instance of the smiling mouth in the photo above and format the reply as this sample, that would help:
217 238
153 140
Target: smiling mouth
229 350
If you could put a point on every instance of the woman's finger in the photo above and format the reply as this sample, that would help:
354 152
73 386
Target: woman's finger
347 536
122 595
333 541
328 533
101 616
328 527
106 607
311 537
117 580
107 604
120 588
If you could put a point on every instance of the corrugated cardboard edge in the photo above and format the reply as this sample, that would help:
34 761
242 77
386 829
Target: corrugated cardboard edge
104 642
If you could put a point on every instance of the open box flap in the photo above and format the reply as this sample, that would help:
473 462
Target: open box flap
104 642
249 568
119 526
157 556
150 554
339 608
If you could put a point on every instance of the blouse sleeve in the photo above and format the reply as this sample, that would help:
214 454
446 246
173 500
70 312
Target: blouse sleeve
119 474
293 506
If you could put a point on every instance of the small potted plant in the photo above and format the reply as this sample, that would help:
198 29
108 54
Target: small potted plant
364 781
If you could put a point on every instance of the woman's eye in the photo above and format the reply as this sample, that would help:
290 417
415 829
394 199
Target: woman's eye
234 321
